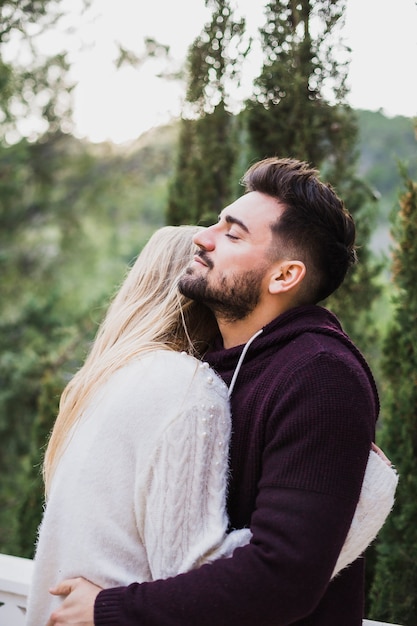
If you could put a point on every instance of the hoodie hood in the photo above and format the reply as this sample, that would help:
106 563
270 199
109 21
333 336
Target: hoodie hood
311 319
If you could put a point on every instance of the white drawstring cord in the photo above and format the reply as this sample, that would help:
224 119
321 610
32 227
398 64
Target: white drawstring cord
239 363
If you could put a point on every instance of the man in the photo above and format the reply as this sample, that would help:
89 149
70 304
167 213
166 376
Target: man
304 407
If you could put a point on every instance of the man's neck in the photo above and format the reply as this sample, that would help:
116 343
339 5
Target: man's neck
236 333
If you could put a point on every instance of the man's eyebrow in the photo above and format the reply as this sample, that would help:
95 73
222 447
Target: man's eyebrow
229 219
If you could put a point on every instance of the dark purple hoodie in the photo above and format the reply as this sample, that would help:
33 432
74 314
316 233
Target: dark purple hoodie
304 407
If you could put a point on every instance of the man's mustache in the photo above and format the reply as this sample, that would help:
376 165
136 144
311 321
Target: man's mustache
203 256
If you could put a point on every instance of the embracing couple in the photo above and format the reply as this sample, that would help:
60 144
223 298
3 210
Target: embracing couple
212 462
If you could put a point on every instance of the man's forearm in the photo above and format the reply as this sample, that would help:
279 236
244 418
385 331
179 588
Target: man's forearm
242 591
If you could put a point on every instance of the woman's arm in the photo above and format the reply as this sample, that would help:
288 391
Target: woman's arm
375 503
185 520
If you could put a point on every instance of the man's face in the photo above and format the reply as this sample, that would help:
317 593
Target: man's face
228 273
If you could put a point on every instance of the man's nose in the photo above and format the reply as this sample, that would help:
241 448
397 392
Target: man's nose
205 239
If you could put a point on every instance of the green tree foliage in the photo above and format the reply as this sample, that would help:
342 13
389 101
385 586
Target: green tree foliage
33 348
206 155
39 231
393 594
357 298
290 114
208 140
380 142
35 95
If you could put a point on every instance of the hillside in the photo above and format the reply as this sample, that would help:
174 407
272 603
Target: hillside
384 142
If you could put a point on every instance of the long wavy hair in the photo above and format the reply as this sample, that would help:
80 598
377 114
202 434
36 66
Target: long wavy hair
147 313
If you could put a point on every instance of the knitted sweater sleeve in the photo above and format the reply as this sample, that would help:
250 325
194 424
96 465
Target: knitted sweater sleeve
183 520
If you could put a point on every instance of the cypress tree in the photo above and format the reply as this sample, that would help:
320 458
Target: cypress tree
289 114
393 594
299 110
182 205
208 143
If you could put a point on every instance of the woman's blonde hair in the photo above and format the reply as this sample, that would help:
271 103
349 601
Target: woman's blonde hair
148 312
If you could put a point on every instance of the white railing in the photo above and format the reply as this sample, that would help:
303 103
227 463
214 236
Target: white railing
369 622
15 577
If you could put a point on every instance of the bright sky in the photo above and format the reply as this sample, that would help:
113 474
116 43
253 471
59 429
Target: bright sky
120 105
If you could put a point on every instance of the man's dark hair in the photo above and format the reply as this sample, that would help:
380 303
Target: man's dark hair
315 226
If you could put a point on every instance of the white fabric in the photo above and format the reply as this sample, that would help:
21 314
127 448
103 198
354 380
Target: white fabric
375 503
140 491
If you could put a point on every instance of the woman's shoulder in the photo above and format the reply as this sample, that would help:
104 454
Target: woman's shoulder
177 370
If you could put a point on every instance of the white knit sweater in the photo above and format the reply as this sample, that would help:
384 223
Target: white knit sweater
140 491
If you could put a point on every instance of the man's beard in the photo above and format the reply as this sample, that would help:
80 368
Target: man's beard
232 299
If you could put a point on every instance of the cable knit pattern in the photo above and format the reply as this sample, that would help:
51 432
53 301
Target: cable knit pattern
187 487
140 491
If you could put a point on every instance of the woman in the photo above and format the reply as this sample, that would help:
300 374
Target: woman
136 466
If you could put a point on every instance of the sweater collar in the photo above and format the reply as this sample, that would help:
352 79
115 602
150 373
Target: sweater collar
311 318
281 330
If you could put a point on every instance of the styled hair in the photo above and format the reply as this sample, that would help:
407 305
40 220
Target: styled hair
315 225
148 312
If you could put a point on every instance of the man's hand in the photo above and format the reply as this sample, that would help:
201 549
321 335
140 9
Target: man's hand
78 607
382 454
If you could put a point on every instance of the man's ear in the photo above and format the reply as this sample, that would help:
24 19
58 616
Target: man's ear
287 275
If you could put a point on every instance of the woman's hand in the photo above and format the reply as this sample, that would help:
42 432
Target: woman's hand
78 607
381 454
